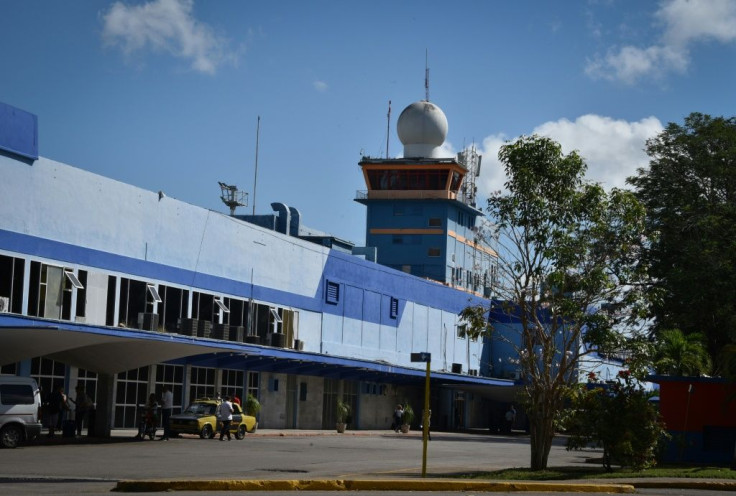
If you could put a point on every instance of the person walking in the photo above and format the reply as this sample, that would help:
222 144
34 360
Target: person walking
167 405
398 416
226 417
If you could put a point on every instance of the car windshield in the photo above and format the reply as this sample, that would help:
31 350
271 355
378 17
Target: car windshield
201 409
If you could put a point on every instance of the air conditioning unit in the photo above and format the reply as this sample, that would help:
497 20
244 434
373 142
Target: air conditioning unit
4 304
148 321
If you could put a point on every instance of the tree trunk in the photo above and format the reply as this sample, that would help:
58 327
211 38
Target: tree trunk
541 434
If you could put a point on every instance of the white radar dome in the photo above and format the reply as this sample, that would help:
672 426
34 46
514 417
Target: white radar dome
422 129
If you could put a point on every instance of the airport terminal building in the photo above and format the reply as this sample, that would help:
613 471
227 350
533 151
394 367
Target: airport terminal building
125 291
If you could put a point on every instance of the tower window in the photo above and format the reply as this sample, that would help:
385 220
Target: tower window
435 222
434 252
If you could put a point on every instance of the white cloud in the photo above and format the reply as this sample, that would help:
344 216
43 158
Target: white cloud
629 64
689 21
612 149
165 26
320 86
685 22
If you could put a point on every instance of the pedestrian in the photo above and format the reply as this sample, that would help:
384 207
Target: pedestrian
236 400
56 406
398 416
510 419
226 417
83 404
167 405
149 419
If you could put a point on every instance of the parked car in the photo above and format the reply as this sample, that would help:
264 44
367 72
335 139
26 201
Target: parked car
20 407
200 417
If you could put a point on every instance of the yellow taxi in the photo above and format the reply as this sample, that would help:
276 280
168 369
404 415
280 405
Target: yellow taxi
200 417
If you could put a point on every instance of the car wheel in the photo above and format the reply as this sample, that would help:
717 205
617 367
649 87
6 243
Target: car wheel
241 431
207 432
11 436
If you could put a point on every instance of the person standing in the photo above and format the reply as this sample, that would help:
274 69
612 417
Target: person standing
83 403
226 417
510 419
57 404
167 405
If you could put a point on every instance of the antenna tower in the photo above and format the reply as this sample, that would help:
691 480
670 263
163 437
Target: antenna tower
470 159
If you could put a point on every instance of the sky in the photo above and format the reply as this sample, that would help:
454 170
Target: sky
178 95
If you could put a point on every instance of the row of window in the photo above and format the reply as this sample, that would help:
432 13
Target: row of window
414 179
56 292
133 303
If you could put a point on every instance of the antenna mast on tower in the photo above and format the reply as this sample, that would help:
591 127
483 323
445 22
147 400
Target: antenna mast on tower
388 126
426 75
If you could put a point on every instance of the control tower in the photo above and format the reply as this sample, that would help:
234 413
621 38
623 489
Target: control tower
421 211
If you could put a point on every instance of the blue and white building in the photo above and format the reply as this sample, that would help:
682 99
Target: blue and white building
126 291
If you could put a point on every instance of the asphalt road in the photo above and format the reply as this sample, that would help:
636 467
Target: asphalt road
80 467
276 455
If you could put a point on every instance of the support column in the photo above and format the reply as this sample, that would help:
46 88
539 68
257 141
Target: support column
104 409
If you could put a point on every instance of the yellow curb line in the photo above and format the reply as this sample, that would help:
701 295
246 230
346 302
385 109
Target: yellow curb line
688 484
363 485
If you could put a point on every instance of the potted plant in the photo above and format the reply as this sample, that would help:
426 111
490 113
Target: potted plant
407 418
343 414
252 406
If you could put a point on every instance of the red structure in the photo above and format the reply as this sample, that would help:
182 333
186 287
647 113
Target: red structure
700 415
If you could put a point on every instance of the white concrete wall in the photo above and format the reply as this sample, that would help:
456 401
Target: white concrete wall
51 200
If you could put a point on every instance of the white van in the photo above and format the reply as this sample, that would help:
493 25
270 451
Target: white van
20 406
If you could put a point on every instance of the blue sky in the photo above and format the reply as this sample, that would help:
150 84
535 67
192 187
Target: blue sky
165 94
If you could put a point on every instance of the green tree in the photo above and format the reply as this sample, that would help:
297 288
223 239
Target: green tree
681 355
618 418
689 190
565 246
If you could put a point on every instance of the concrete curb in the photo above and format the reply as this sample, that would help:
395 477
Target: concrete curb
366 485
710 485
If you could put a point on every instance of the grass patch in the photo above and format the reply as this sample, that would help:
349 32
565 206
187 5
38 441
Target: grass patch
583 473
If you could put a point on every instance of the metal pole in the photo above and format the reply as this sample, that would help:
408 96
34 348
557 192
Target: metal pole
255 179
388 126
425 423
